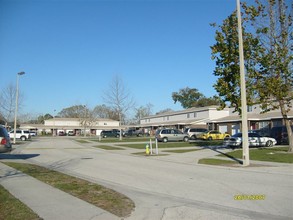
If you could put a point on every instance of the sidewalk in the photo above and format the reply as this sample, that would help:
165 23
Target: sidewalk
48 202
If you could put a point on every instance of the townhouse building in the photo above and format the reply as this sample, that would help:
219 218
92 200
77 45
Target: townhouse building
79 126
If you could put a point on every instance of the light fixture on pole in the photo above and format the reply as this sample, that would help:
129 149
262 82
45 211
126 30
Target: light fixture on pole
245 145
16 104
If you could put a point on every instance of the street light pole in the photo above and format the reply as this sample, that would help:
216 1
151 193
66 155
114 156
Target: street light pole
245 145
16 104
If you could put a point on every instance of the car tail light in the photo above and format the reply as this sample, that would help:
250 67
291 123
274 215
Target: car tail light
3 141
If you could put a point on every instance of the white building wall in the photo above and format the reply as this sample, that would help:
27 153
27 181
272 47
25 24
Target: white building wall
76 122
216 114
194 113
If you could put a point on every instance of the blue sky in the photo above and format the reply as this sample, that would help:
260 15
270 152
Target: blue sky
72 49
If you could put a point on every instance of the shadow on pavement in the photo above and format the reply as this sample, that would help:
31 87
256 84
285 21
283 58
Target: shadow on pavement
17 156
215 148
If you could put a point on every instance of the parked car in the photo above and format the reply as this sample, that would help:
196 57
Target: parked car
33 133
5 144
61 133
110 133
20 134
70 133
194 133
132 132
280 134
213 135
254 140
166 135
262 132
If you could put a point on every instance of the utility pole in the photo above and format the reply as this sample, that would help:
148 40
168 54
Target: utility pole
245 145
16 104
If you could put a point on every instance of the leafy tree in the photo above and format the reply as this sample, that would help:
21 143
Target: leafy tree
187 97
193 98
41 119
267 44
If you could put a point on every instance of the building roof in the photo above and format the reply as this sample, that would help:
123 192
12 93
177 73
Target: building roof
194 109
253 117
77 119
180 122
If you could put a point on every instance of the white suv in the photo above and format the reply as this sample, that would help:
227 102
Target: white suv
194 133
20 134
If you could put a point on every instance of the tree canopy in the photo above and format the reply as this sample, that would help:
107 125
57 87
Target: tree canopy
267 44
191 97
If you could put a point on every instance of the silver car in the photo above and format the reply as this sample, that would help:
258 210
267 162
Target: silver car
166 135
254 140
5 144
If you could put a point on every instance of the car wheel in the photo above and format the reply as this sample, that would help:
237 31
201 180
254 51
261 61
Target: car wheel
165 140
193 137
269 143
210 138
23 138
117 136
185 139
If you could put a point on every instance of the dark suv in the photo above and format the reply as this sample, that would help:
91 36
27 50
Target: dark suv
110 133
5 144
280 134
132 132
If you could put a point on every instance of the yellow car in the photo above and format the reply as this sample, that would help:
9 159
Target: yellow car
213 135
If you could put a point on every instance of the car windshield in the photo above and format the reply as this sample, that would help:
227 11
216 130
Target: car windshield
237 135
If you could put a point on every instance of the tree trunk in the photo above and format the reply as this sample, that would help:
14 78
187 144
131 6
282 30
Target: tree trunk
288 126
290 136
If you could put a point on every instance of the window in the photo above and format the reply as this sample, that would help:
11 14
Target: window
249 108
195 114
264 124
188 115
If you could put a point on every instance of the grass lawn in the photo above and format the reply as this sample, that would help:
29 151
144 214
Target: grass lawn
13 209
160 145
276 154
106 147
124 139
100 196
214 161
150 155
82 141
175 144
181 150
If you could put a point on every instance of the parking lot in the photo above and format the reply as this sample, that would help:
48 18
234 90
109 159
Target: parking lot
173 186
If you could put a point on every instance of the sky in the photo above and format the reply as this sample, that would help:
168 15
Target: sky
70 50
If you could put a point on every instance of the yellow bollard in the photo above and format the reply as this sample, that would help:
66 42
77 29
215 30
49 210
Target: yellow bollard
147 149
